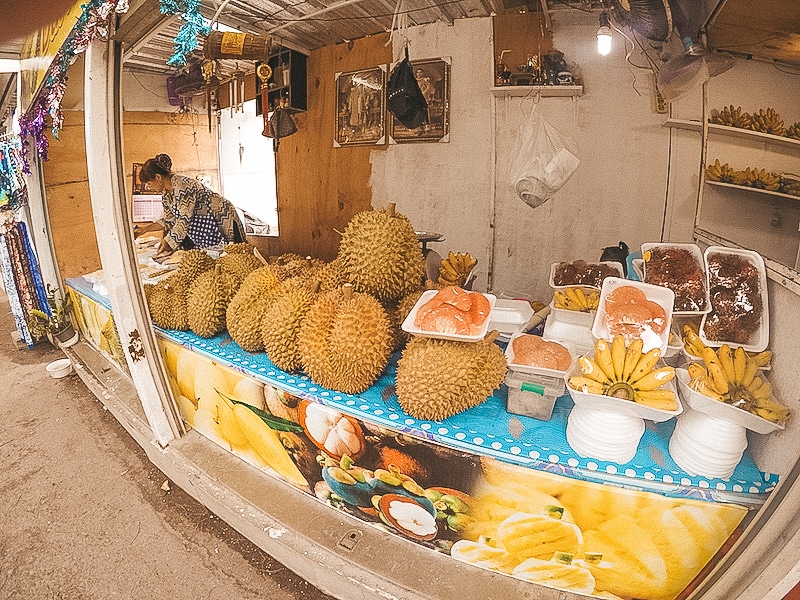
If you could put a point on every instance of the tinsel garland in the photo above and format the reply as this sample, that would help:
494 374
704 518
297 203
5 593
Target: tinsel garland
193 25
93 22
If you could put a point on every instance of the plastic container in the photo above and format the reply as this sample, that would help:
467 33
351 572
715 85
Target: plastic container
697 254
409 327
509 317
719 410
59 368
759 340
706 446
577 335
604 435
662 296
540 371
613 264
578 317
533 395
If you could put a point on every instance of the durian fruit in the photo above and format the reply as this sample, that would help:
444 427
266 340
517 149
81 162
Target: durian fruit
381 254
398 310
332 276
247 308
345 341
167 303
240 248
439 378
280 325
207 301
239 265
288 265
193 263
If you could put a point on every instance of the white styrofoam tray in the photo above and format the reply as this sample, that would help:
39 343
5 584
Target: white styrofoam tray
618 405
532 370
579 336
409 327
509 317
760 338
613 264
694 249
721 410
662 296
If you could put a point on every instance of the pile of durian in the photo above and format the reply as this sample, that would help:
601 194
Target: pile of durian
339 321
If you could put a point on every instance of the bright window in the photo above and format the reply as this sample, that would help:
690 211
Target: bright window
247 168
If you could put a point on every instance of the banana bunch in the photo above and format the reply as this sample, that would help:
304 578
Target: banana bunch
456 268
574 298
719 172
731 376
692 342
790 185
626 372
758 178
768 121
793 131
732 117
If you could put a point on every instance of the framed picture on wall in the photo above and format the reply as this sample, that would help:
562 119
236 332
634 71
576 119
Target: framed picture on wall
361 107
433 77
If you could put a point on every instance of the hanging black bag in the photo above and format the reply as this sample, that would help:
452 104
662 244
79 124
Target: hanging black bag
404 99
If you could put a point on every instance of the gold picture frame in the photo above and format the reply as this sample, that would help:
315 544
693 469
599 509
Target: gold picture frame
433 77
361 107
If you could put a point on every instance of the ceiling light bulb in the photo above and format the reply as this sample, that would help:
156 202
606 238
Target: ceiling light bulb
604 35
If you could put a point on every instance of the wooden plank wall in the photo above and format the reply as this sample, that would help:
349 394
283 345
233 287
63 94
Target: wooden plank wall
184 137
321 187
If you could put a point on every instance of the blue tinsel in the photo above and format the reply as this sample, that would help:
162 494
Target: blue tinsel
193 25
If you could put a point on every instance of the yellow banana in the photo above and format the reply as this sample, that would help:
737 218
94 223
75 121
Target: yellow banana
645 365
726 362
592 370
696 370
739 365
586 385
750 370
618 355
762 358
655 379
602 356
658 399
715 372
764 392
632 356
755 384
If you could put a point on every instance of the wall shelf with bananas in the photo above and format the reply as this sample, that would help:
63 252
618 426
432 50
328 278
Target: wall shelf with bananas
753 189
694 125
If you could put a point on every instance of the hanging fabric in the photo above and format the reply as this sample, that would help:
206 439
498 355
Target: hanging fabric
11 292
13 190
36 272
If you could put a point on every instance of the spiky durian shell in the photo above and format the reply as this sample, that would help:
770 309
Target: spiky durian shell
398 311
240 248
332 276
239 265
246 309
345 344
207 301
381 254
158 298
438 378
193 263
280 325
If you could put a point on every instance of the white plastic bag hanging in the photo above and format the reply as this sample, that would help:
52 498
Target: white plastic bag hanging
542 163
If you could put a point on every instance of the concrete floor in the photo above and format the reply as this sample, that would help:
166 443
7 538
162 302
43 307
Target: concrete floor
84 514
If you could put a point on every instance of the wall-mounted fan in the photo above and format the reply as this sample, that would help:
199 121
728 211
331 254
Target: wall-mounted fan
654 20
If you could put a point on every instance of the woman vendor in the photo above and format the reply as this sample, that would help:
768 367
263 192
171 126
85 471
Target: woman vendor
194 216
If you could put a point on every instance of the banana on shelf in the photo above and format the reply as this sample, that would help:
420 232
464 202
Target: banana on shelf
455 269
733 376
793 131
719 172
576 298
626 372
767 121
731 116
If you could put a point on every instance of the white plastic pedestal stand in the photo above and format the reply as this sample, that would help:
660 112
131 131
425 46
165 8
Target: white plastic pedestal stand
603 434
706 446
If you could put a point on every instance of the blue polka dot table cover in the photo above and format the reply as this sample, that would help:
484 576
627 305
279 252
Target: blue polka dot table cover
487 428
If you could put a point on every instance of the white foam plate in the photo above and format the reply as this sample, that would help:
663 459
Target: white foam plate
695 251
760 338
408 323
580 336
720 410
628 407
509 317
662 296
532 370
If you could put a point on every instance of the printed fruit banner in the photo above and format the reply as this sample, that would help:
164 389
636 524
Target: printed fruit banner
542 527
96 324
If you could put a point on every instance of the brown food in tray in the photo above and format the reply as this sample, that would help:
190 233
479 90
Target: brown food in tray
679 270
579 272
533 351
736 303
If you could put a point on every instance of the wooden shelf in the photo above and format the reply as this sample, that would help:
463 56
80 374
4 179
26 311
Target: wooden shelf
752 189
692 125
521 91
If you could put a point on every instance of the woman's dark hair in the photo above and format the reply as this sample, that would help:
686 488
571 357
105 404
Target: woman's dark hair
161 164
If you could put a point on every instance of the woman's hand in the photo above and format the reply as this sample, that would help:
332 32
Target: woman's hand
164 247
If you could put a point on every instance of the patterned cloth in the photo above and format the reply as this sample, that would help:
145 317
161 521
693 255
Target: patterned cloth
13 297
195 212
